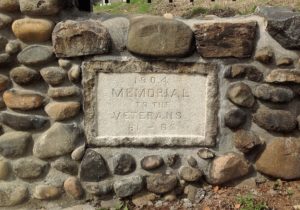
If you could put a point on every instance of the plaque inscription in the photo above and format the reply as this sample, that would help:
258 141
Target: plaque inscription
134 104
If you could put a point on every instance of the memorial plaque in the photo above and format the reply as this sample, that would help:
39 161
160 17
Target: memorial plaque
165 107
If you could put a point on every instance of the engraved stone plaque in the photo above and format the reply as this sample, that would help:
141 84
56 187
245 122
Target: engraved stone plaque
164 107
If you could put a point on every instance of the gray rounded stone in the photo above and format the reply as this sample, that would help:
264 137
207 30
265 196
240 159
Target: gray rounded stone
235 118
29 168
192 161
23 122
12 194
245 141
59 139
161 183
65 165
24 76
93 167
78 153
74 74
206 153
274 94
65 64
152 162
5 58
190 174
53 75
14 144
5 20
275 120
123 164
241 95
228 167
37 7
128 186
13 47
118 30
35 55
104 187
175 37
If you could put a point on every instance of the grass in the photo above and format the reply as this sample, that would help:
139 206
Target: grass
136 7
188 10
249 203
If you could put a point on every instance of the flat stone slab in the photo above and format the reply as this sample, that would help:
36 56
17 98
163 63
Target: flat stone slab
150 103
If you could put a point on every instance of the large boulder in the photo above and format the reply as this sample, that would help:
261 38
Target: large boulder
219 40
227 168
281 159
59 139
275 120
159 37
73 38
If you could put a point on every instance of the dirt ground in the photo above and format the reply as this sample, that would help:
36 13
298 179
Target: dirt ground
271 195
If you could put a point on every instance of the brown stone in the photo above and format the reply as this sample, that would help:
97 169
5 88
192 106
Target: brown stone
227 168
245 141
73 187
33 30
46 192
159 37
142 199
9 5
264 55
241 95
283 76
62 110
281 159
275 120
22 100
151 162
73 38
219 40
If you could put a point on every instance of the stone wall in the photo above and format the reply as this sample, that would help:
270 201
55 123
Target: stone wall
51 56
